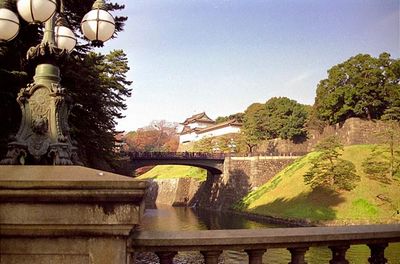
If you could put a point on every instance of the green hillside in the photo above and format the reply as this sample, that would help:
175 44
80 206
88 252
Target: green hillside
175 171
286 195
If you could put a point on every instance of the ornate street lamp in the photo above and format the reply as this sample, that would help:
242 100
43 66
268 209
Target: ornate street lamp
232 145
98 25
43 136
36 11
9 22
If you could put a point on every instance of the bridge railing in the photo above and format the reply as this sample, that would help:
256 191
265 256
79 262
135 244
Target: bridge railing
267 154
176 155
211 243
207 155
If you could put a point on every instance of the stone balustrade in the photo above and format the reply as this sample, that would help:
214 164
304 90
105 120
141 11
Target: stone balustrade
67 214
176 155
256 242
207 155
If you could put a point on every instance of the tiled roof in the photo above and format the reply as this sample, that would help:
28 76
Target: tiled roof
201 117
188 130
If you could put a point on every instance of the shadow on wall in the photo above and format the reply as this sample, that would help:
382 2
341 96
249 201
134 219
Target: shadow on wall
315 205
219 193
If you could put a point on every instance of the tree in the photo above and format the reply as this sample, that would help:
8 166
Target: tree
253 129
384 161
279 117
96 84
362 86
238 117
159 135
98 99
285 118
328 170
204 145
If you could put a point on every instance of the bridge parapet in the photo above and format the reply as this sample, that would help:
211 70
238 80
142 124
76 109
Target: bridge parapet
177 155
212 162
211 243
210 156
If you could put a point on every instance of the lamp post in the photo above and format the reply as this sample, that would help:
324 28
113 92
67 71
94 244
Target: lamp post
43 136
232 145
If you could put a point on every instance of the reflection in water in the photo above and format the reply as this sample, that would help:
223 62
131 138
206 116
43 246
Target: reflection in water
167 218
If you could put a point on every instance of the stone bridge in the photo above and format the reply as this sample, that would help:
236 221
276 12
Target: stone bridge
214 163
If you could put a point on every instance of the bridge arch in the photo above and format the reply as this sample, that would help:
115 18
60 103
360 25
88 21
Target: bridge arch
213 163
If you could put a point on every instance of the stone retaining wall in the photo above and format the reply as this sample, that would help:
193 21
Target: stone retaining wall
352 132
241 175
177 192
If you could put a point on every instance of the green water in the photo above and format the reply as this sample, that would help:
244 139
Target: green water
167 218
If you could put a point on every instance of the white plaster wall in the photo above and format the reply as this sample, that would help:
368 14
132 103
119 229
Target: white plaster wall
197 125
220 132
188 137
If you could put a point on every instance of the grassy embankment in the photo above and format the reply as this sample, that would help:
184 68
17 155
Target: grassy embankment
286 195
175 171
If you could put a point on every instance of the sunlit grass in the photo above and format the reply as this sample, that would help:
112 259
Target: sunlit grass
287 196
174 172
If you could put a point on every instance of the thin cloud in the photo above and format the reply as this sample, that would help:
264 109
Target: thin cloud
298 79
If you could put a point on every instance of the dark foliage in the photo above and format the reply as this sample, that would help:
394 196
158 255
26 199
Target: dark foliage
362 86
328 170
96 84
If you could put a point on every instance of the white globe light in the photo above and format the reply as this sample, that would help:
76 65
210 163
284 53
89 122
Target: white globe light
36 11
65 38
9 24
98 25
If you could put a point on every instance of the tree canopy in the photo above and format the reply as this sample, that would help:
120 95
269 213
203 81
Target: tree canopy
238 117
279 117
362 86
159 135
96 83
330 171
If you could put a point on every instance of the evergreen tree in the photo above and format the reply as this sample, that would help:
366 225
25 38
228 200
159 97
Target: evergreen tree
384 161
204 145
328 170
279 117
362 86
285 118
253 130
96 83
238 117
98 100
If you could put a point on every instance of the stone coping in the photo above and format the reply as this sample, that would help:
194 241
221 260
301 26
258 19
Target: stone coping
67 184
266 158
64 230
68 177
265 238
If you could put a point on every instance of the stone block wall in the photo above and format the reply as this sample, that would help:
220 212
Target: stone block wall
177 192
352 132
241 175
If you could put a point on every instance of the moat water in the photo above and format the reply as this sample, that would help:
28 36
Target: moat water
167 218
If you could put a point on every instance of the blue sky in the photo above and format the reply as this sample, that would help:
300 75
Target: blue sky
220 56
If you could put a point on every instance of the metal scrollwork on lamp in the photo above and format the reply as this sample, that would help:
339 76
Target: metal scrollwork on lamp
43 136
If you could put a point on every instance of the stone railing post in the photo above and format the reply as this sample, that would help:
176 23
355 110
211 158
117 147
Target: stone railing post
255 255
377 253
166 257
67 214
211 257
297 255
339 254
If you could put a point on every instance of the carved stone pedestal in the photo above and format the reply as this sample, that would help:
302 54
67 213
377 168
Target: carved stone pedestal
66 214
